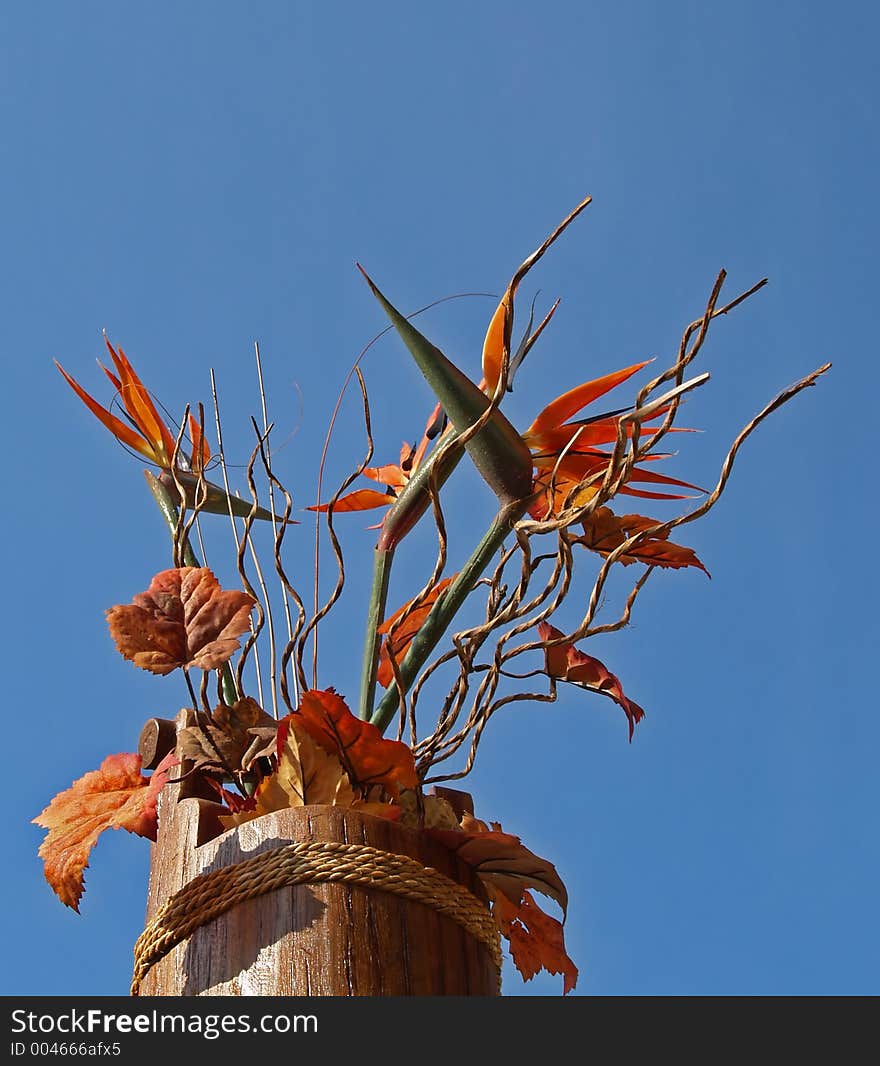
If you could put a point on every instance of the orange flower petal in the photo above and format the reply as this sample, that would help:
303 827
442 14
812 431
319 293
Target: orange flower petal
360 500
569 403
497 336
140 406
119 429
201 453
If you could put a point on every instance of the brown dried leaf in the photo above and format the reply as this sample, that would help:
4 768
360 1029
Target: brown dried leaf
305 774
183 619
233 737
116 796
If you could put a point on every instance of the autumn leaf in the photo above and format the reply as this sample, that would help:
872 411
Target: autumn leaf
502 861
536 939
508 870
116 796
604 531
305 774
366 756
403 634
184 619
231 738
565 663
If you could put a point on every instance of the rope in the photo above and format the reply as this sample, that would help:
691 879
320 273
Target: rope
211 894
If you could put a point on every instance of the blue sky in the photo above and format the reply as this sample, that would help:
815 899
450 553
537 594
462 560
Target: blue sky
196 177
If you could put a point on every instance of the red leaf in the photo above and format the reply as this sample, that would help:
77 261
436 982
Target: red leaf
604 531
366 756
116 796
565 663
183 619
536 940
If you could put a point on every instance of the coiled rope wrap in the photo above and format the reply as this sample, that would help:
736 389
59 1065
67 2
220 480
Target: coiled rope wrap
211 894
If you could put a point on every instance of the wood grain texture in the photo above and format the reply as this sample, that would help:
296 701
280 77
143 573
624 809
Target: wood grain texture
310 940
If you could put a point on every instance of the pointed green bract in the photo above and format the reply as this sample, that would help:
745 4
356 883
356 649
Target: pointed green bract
498 451
216 500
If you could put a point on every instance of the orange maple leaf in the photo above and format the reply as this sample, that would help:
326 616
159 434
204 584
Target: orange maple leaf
183 619
366 756
116 796
399 640
536 939
604 531
564 662
508 870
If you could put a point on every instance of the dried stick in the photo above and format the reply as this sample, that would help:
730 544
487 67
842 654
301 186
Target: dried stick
334 540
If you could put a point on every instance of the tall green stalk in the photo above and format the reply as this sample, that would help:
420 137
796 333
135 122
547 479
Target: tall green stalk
171 515
446 607
375 615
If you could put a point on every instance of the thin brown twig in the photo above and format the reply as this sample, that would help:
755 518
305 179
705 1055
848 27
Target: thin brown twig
320 613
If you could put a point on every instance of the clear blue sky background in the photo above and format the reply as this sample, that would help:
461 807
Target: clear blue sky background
196 177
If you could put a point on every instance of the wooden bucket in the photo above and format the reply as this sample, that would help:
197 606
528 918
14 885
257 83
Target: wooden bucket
344 905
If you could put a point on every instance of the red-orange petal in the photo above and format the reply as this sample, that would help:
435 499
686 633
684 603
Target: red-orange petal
390 474
360 500
119 429
497 335
141 408
201 452
569 403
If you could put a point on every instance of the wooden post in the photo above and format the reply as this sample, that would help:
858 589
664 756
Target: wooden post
312 939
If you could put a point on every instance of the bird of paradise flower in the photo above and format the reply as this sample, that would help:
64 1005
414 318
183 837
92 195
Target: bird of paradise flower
147 434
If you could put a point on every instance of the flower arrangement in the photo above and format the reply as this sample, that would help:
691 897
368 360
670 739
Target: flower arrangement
267 743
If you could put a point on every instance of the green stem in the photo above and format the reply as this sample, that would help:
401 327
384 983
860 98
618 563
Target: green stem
375 615
170 513
446 607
